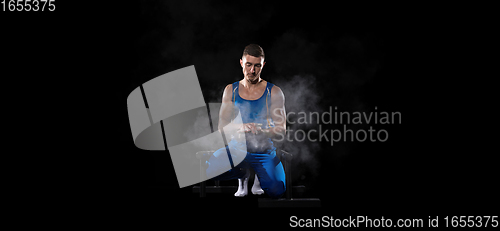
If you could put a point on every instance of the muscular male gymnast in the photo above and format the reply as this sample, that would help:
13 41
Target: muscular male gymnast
262 109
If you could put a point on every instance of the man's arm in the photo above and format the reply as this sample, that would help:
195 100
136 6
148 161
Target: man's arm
226 111
278 113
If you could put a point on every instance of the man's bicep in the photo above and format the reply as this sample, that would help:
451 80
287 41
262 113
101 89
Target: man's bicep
278 106
226 96
225 109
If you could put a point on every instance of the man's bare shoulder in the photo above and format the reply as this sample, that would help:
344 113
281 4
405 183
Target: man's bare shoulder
226 95
276 91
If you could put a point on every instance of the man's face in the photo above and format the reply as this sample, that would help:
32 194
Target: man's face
252 66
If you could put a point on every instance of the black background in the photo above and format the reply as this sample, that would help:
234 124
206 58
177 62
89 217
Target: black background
400 58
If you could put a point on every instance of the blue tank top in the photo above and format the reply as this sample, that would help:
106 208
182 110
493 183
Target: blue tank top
255 111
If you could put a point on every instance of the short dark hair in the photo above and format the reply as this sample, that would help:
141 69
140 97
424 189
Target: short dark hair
254 50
